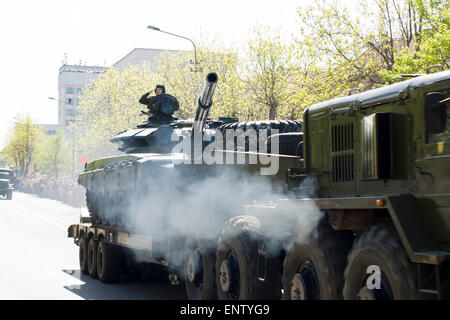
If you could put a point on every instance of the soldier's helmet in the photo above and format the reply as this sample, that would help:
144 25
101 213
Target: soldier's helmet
161 87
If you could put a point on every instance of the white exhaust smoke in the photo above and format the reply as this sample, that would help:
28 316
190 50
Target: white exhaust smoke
178 203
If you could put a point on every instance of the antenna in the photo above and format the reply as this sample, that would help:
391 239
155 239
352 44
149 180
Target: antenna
64 61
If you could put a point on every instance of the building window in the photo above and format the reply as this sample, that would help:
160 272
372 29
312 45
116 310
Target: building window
69 112
78 91
76 101
69 90
69 101
68 123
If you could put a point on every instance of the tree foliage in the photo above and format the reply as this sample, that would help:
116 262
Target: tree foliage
183 81
432 50
54 154
384 37
269 71
22 143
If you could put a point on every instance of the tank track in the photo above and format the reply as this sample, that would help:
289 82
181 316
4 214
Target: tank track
110 196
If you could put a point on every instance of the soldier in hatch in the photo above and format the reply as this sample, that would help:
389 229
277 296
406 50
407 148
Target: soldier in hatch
161 106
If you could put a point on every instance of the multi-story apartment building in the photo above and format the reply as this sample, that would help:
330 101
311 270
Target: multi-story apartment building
71 81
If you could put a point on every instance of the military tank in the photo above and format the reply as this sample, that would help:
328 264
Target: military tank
116 186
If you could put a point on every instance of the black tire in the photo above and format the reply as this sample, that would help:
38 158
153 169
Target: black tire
83 255
238 252
380 246
314 270
200 269
108 262
92 257
283 126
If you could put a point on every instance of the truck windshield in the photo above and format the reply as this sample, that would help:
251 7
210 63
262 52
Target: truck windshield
438 128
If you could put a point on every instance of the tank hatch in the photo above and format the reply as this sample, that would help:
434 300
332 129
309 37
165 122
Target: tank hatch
144 140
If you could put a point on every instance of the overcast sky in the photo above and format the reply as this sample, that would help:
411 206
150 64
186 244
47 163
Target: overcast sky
35 35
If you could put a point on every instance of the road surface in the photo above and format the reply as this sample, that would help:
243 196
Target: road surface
38 261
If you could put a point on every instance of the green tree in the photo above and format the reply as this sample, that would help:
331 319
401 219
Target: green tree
432 50
367 45
54 154
269 71
181 80
22 142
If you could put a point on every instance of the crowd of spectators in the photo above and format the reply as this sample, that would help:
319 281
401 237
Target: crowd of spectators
62 188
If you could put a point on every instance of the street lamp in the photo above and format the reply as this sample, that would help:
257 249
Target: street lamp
176 35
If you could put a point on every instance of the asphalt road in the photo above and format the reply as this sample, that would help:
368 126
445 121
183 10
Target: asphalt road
38 261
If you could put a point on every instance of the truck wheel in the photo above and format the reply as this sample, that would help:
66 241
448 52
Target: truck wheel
379 247
200 270
237 263
108 262
84 242
314 270
92 257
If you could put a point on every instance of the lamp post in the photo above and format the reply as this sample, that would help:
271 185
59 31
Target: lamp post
73 136
176 35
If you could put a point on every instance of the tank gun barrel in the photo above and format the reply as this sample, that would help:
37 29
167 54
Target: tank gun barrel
205 101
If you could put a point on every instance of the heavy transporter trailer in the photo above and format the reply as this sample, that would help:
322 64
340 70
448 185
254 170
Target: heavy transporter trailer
117 250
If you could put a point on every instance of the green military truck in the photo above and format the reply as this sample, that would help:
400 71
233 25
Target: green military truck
6 183
373 167
381 160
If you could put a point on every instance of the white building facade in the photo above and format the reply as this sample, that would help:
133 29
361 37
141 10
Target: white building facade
71 81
